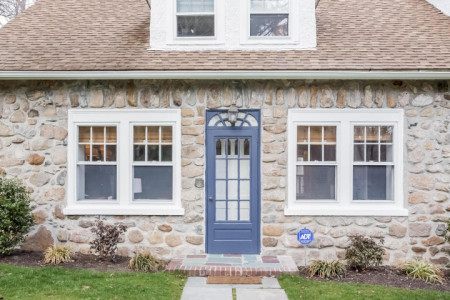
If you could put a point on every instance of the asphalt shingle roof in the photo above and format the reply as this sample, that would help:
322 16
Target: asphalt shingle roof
114 35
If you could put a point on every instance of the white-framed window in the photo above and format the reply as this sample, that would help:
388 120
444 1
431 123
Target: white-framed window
316 162
194 22
124 162
269 18
272 22
195 18
345 162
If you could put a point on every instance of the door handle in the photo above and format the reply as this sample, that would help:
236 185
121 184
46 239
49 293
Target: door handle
210 198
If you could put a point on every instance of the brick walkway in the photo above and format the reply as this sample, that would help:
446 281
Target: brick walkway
233 265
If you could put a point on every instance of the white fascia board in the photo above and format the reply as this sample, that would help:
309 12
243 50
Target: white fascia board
223 75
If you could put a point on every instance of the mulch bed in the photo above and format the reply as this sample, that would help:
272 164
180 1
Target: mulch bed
80 261
386 276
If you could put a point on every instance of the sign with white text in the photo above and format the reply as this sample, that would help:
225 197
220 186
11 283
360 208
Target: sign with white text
305 236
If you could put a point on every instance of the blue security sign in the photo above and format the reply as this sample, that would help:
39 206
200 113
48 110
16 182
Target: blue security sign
305 236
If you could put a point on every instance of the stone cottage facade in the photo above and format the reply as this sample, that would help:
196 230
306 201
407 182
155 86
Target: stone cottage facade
335 153
34 148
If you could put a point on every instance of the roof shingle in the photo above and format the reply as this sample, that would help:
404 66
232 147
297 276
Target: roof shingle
63 35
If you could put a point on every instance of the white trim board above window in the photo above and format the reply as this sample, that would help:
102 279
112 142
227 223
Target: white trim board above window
345 162
124 162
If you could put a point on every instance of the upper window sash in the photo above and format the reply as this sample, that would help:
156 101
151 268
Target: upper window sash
269 6
373 144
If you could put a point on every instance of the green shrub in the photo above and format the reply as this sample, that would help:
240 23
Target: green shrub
364 253
15 214
423 270
324 269
106 239
145 262
57 254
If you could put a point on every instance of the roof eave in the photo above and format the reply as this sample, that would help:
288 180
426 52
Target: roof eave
227 75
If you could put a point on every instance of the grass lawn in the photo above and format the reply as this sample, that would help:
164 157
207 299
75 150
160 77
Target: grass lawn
60 283
302 288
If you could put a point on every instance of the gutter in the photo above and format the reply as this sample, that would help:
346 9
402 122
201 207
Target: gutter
224 75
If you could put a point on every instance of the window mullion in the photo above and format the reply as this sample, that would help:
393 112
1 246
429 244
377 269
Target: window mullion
124 168
90 144
309 143
379 144
345 163
159 144
146 144
323 143
104 144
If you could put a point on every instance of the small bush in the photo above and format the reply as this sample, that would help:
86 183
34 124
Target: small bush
106 239
364 253
15 214
423 270
57 254
145 262
324 269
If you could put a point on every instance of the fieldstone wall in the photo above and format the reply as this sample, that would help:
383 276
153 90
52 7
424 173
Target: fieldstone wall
33 147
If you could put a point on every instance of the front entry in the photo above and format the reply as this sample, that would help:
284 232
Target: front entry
233 208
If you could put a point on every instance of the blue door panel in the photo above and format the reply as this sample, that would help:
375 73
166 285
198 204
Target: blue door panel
235 234
233 196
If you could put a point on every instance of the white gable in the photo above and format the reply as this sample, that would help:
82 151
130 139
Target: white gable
232 29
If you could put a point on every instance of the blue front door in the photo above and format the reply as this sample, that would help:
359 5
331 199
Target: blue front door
233 183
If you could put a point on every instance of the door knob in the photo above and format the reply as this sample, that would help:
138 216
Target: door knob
210 198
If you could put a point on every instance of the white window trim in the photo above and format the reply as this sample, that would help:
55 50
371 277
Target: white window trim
219 27
344 205
123 119
293 27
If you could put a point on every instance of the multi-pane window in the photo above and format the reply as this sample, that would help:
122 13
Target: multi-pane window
152 162
373 163
124 162
97 163
345 162
316 163
195 18
269 18
233 179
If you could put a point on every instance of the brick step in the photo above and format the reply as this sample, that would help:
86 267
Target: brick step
233 265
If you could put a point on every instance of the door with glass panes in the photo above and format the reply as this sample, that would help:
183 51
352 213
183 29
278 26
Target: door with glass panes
232 183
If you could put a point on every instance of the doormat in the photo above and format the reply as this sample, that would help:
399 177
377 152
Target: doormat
233 280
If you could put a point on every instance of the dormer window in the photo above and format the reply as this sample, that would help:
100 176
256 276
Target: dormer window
269 18
232 24
195 18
